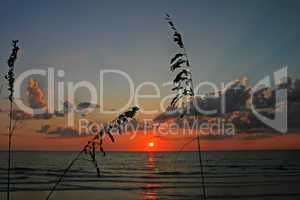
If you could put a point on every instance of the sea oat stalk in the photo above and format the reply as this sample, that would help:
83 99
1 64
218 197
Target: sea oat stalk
90 148
10 77
183 83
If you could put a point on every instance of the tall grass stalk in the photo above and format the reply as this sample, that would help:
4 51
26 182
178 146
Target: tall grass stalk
10 76
97 141
184 86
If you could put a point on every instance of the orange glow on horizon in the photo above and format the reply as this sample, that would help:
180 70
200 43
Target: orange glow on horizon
141 142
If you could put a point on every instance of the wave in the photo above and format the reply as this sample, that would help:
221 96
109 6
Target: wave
227 175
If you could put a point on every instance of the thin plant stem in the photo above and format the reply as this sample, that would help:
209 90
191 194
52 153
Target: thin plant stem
126 115
10 76
201 167
9 150
199 148
198 135
180 151
64 173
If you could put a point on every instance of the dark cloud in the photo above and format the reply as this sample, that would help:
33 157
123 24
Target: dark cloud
59 131
64 132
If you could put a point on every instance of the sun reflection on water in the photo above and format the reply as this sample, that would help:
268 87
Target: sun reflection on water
149 192
151 161
149 195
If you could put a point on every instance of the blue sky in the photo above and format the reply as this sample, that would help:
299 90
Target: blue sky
225 39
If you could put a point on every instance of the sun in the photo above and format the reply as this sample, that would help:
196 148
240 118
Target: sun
151 144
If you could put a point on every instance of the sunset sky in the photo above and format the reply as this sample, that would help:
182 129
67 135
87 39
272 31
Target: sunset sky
224 39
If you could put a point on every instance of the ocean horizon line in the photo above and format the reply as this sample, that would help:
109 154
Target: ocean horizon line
161 151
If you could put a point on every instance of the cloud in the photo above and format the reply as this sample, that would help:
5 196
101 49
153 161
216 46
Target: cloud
82 108
36 96
64 132
59 131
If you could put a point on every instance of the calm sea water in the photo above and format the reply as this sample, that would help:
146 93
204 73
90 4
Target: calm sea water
228 175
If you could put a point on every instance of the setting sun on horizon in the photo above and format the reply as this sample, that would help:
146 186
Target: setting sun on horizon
151 144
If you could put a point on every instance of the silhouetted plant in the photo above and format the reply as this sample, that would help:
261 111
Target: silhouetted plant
10 77
183 83
183 80
97 142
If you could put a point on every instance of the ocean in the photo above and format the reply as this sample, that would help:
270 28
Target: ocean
155 175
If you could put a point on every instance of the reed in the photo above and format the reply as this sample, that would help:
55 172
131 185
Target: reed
10 77
183 85
97 142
